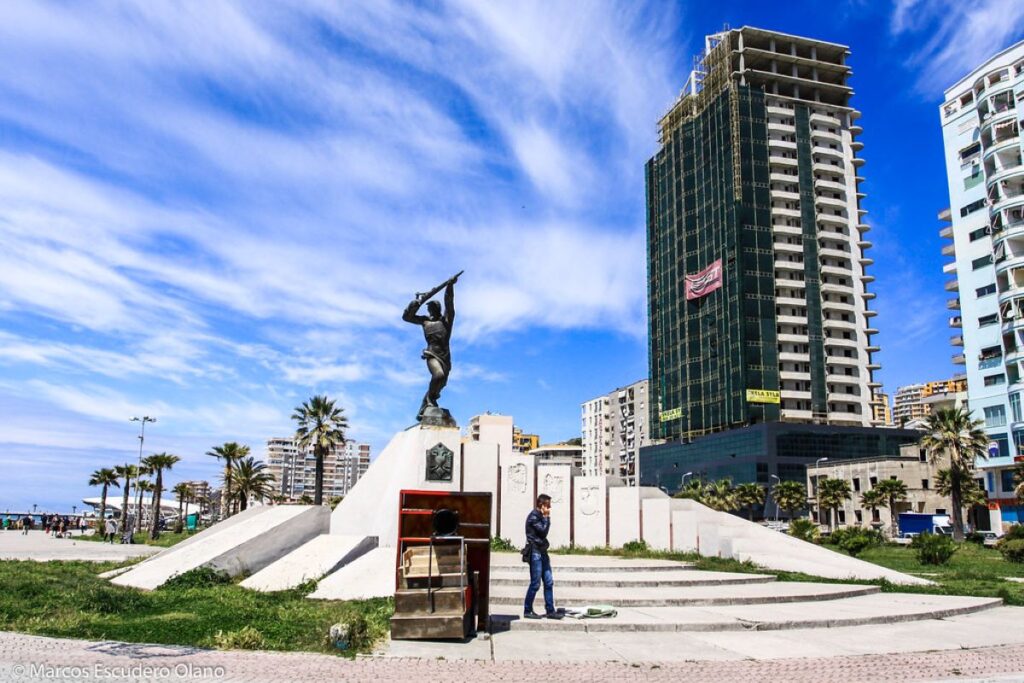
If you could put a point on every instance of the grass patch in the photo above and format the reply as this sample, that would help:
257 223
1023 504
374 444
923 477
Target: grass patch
69 600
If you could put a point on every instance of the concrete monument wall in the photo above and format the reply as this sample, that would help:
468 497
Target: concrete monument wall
556 481
518 479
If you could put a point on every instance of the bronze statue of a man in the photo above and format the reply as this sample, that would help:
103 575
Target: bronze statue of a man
437 330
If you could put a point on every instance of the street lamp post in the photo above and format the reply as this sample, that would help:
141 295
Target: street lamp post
138 491
682 482
776 478
817 488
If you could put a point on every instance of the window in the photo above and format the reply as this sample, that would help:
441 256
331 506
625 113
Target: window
924 484
971 208
981 262
979 233
1006 480
992 380
986 290
986 320
1015 406
995 416
858 515
990 352
856 484
922 455
873 480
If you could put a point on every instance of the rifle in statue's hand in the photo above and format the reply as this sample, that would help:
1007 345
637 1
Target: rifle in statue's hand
423 296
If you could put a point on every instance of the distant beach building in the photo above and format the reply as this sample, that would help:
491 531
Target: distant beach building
294 469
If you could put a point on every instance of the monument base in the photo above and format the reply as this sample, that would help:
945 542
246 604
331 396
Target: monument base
435 416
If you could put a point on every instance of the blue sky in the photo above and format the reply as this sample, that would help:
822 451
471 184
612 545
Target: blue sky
211 211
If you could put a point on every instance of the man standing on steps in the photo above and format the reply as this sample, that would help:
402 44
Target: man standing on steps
537 524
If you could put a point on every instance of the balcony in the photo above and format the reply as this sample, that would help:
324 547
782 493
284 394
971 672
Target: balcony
957 340
953 303
949 249
946 232
949 268
956 321
868 313
959 359
952 285
946 215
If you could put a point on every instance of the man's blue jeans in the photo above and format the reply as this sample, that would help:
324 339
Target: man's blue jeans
540 568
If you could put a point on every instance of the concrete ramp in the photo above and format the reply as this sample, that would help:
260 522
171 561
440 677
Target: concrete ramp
719 534
245 543
317 557
369 576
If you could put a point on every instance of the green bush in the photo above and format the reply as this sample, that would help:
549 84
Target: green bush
855 540
635 546
501 544
805 530
1012 550
245 638
975 537
1014 533
200 577
933 548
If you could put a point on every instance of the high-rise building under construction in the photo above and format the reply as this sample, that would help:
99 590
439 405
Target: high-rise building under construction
757 253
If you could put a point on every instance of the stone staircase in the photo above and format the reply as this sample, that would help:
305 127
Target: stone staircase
659 595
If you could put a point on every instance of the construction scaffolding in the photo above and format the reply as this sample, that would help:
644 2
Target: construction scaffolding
710 76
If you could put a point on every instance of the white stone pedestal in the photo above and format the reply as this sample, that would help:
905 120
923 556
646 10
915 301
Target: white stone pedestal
371 507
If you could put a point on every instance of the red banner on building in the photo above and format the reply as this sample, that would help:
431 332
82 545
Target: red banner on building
703 283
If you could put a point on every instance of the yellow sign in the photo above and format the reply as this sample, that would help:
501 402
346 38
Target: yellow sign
763 396
673 414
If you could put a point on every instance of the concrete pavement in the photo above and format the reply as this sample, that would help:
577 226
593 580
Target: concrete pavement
38 546
33 658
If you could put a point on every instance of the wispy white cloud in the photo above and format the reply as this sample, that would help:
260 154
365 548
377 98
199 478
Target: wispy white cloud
951 38
208 212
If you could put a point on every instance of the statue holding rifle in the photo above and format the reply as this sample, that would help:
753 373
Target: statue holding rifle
437 330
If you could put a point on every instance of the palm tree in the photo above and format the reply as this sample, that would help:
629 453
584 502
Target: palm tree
231 452
141 487
127 473
894 491
182 491
953 434
872 499
971 493
747 496
831 494
158 462
106 478
790 496
720 495
322 426
251 480
693 490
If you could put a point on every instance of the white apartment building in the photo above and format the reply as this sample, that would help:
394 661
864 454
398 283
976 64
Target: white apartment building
981 124
294 470
614 428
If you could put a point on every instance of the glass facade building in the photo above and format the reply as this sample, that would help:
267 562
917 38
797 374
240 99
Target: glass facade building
753 198
755 453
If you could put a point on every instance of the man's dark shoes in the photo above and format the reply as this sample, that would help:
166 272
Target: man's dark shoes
554 615
531 615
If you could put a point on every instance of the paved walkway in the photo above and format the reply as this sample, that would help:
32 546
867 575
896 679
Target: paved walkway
32 658
36 545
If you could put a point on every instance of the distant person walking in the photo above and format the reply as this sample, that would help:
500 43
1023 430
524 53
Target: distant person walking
111 531
26 524
538 522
